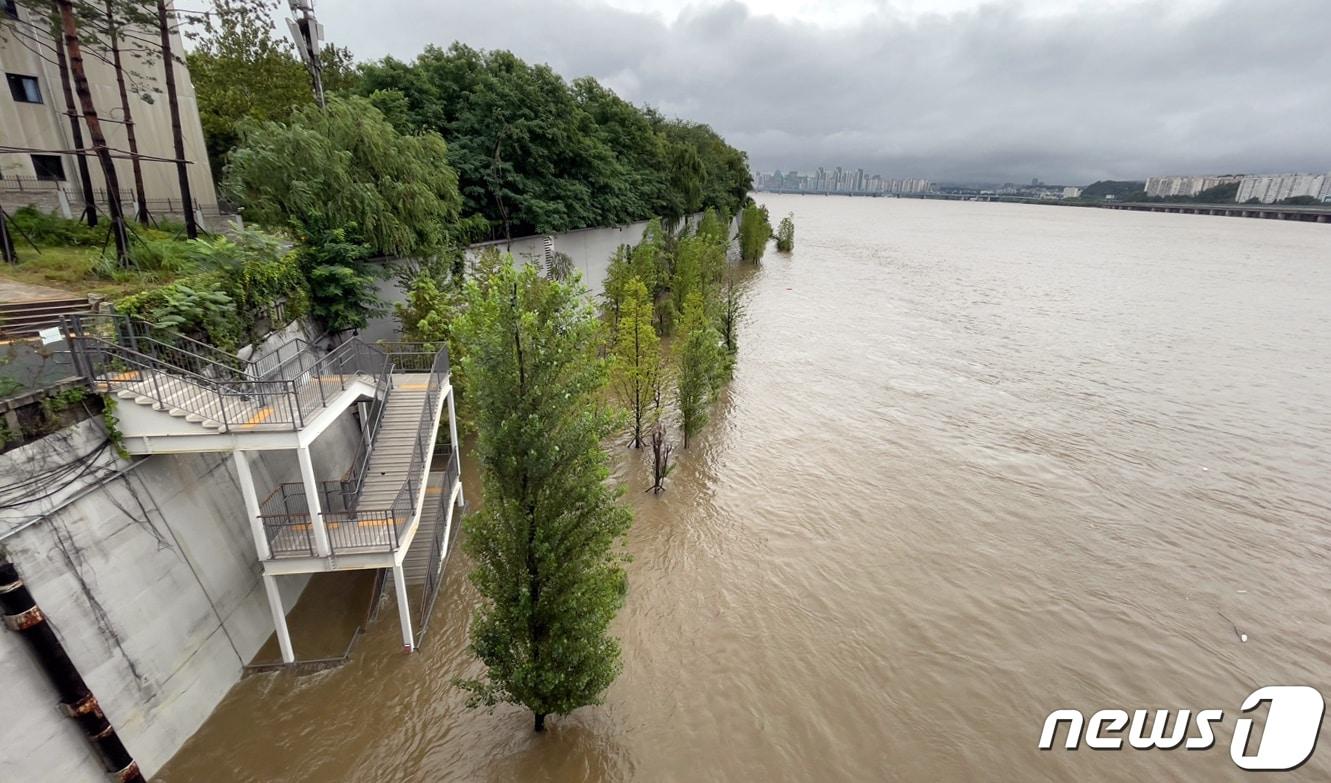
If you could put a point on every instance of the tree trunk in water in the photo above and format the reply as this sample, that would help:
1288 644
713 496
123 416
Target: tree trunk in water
75 129
540 721
177 136
141 214
71 32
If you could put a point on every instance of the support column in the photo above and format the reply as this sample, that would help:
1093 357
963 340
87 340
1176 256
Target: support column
279 618
252 505
453 441
403 608
321 545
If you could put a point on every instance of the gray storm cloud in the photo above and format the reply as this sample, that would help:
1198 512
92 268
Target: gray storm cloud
991 94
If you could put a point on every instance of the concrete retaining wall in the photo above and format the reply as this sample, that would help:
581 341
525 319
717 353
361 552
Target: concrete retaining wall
148 573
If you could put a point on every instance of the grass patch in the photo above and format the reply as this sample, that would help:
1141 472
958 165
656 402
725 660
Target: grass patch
70 256
75 269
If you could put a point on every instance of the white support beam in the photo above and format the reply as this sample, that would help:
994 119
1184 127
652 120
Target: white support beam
403 608
251 504
453 439
322 547
279 618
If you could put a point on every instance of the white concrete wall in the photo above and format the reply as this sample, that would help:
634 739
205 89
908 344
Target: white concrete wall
152 583
590 248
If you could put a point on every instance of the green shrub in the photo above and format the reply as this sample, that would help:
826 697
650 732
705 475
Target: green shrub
161 255
50 229
343 294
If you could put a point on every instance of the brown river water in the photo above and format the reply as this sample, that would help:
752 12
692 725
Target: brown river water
978 462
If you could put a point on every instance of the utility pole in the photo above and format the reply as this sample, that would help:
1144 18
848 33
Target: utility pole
308 33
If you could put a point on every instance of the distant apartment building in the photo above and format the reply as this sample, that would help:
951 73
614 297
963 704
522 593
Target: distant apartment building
36 162
1071 192
840 180
1273 188
1164 187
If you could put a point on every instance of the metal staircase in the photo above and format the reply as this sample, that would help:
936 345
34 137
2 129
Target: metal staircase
388 507
202 384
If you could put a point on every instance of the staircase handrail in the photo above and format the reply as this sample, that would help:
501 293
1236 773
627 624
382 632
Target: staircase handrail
124 326
400 512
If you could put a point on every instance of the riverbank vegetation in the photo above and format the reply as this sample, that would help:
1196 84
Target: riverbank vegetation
682 281
755 229
531 152
544 546
785 234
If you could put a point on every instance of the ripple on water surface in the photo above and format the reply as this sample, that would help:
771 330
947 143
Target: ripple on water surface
978 462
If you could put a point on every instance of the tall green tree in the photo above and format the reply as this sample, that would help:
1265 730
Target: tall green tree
755 229
636 368
346 165
544 545
699 365
243 70
535 154
785 234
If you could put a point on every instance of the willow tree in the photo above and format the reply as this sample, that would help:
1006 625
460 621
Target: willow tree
636 367
545 544
346 165
699 366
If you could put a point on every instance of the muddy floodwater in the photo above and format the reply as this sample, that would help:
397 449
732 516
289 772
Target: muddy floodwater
978 462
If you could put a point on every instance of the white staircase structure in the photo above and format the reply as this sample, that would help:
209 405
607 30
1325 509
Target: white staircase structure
178 395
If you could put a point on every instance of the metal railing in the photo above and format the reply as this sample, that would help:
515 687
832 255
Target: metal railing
284 389
440 543
352 527
361 527
286 521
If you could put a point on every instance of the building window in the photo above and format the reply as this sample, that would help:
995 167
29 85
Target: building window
10 9
24 88
49 167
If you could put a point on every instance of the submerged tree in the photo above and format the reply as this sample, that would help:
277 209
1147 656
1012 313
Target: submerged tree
754 230
699 366
636 370
544 544
732 309
662 448
785 234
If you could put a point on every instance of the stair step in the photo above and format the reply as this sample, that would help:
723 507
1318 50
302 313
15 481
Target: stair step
31 304
142 400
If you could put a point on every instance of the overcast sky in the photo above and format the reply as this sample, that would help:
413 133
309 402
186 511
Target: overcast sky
1069 91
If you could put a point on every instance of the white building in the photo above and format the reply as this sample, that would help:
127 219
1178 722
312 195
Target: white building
1163 187
1273 188
1071 192
34 123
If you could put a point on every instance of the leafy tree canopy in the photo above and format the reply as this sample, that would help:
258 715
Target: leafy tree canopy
544 544
536 154
346 165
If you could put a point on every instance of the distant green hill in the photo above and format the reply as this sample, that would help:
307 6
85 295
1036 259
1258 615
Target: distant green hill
1121 190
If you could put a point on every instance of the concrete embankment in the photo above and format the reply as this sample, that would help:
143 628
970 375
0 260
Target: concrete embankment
147 571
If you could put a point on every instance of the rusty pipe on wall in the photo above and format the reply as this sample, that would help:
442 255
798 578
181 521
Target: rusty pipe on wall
24 617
